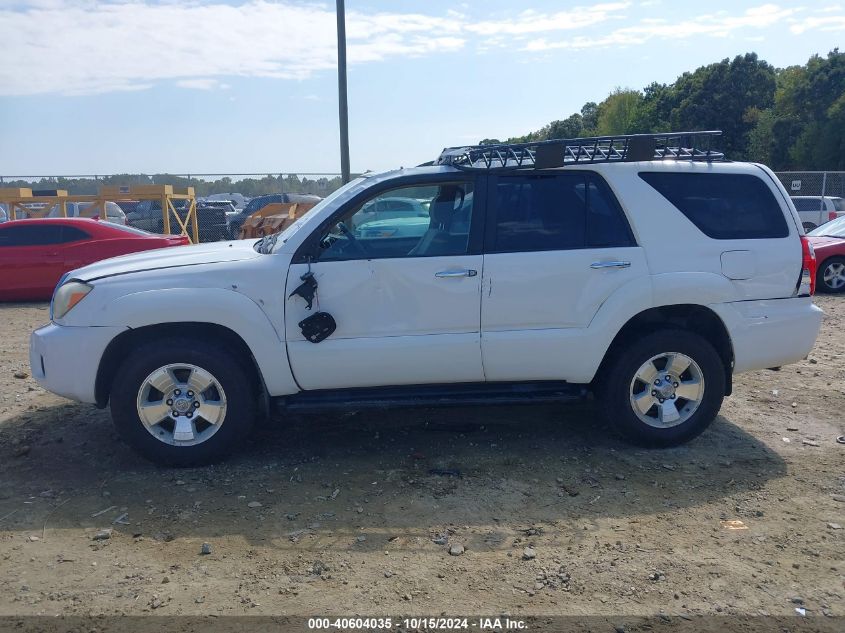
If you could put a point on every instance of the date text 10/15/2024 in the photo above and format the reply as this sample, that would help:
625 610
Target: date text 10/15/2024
415 623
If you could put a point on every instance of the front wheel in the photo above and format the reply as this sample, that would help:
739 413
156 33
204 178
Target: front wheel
183 403
664 389
831 275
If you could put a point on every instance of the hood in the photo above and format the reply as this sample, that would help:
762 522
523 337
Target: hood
173 257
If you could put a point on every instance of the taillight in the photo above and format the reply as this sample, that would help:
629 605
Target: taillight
831 216
807 283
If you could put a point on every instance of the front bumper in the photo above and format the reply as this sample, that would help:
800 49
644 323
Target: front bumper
65 359
770 333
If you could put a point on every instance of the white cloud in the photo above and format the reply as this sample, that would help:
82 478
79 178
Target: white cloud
531 21
721 24
203 83
201 44
826 23
133 43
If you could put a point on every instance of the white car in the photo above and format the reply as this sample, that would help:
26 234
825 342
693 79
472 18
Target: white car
649 283
817 210
114 213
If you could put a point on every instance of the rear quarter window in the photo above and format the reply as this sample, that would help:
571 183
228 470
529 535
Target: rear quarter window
723 206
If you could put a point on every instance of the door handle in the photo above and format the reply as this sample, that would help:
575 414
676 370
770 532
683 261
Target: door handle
448 274
599 265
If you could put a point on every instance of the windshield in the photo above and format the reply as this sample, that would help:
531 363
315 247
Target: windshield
280 238
834 228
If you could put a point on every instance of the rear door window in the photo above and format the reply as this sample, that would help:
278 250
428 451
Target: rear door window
723 206
556 212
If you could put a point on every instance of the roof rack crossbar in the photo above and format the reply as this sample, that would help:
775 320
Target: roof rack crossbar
691 146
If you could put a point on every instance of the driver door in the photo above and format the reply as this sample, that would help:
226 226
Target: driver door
405 292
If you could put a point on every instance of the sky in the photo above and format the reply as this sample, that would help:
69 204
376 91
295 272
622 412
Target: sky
250 86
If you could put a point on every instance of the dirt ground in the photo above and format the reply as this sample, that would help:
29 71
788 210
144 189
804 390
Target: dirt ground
343 514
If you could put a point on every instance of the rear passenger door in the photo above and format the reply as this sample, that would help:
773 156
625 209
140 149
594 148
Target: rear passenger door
557 245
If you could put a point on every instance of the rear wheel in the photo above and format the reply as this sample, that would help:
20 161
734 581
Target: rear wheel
183 403
664 389
831 277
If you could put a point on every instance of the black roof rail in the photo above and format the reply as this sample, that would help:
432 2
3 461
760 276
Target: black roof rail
692 146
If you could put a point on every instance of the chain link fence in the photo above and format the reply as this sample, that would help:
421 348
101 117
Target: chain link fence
814 183
817 195
224 201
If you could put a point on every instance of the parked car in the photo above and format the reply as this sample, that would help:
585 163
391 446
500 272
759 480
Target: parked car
211 218
828 240
114 213
816 210
390 208
413 226
238 200
259 202
649 283
127 206
34 254
147 215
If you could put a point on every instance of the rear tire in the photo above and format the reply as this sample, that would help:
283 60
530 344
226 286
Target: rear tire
182 402
647 409
831 275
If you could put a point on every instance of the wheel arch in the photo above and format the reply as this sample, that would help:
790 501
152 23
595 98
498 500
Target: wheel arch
691 317
821 264
122 345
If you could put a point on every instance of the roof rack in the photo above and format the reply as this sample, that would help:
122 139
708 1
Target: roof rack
692 146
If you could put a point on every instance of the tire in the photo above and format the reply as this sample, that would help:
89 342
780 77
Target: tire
831 275
703 381
211 422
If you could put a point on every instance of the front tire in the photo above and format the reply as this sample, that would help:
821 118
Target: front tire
664 388
182 402
831 275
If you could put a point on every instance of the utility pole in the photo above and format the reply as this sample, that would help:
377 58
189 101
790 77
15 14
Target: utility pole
343 106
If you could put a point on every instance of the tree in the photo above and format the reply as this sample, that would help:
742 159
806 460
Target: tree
725 96
589 118
618 113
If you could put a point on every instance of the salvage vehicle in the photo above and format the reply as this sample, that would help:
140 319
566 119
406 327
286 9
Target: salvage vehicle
828 241
816 210
644 270
34 254
114 213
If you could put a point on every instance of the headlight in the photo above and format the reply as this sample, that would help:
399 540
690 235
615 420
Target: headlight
67 296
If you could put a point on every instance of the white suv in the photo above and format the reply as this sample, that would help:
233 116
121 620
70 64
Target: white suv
547 272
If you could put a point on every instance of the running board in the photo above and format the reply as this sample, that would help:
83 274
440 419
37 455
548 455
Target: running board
461 394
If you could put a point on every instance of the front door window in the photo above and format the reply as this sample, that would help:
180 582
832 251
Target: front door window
422 221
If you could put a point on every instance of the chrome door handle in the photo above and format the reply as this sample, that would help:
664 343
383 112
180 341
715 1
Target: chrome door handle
447 274
598 265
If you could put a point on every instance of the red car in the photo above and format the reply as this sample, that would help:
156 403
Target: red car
828 240
34 254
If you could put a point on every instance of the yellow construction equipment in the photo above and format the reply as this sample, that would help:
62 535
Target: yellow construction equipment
273 218
17 201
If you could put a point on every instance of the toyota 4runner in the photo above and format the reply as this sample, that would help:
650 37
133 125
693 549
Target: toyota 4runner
643 270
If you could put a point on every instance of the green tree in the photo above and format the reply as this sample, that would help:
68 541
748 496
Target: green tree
618 113
725 96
